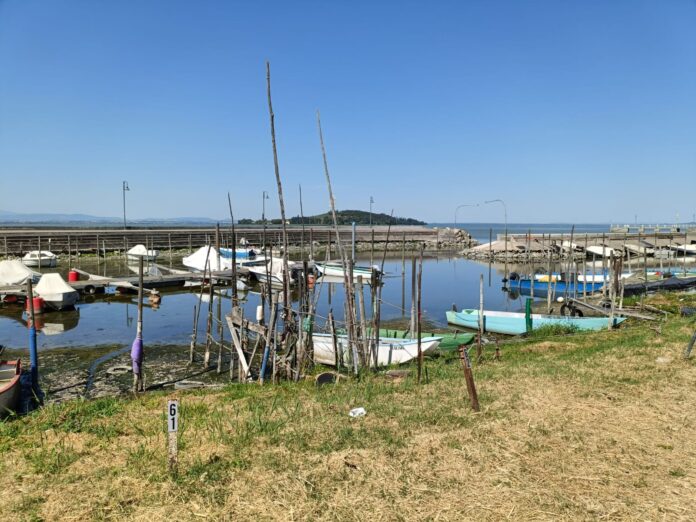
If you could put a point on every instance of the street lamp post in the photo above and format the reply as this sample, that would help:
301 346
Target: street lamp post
506 234
456 210
125 188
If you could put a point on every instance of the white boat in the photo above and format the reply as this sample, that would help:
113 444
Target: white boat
603 251
10 372
271 269
689 250
14 272
336 269
206 259
42 258
138 251
57 294
390 350
637 249
600 278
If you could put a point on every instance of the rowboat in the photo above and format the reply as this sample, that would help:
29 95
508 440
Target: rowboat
10 372
450 341
560 287
515 323
338 270
138 251
390 350
40 258
56 292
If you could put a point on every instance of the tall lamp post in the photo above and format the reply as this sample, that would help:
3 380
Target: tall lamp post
456 210
506 234
372 200
125 188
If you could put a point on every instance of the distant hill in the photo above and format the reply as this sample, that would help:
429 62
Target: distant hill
16 218
344 217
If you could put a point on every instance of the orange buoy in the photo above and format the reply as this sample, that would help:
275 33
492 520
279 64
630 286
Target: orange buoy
73 276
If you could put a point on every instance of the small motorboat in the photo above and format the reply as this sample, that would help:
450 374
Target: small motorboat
239 253
10 372
57 294
40 258
14 272
138 251
336 269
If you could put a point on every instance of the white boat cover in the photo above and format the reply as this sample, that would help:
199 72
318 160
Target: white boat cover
138 250
14 272
52 284
197 260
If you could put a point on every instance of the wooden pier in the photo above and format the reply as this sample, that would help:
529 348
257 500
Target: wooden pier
16 241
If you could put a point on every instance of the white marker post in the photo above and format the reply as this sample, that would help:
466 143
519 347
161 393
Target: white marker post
173 428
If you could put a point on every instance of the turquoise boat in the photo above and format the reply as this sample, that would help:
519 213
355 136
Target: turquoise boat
514 323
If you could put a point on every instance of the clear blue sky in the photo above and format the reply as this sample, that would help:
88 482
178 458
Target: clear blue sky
579 111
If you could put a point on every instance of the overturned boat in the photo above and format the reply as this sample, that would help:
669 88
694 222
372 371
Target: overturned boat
391 350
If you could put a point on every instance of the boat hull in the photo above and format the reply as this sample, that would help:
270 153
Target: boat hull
10 372
560 287
390 351
332 270
450 341
513 323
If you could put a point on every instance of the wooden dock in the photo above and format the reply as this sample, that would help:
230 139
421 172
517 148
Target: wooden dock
16 241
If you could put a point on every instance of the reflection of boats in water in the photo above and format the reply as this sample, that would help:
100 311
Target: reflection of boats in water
49 323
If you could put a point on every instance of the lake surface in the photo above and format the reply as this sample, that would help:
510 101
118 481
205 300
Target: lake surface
112 318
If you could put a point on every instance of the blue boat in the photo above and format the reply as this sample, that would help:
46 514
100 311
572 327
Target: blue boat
240 253
560 287
515 323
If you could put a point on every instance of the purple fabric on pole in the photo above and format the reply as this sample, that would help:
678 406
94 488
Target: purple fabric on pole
137 355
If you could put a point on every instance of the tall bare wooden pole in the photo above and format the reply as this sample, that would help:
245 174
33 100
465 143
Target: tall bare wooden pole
350 303
286 271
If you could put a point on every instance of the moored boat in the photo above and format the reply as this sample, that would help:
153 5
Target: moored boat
335 269
515 323
40 258
602 251
10 372
450 340
14 272
390 350
139 251
56 292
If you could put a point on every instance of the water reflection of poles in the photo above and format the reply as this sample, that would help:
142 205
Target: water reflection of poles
506 234
33 352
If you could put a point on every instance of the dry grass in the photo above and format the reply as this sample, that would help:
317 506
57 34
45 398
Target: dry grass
586 427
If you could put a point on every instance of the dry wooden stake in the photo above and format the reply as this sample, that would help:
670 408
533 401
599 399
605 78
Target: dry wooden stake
469 377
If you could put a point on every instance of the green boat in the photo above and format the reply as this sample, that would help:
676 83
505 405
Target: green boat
450 341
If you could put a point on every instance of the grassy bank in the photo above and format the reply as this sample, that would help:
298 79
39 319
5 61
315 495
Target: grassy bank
577 427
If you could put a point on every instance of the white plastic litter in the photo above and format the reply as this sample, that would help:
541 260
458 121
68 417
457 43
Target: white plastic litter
357 412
